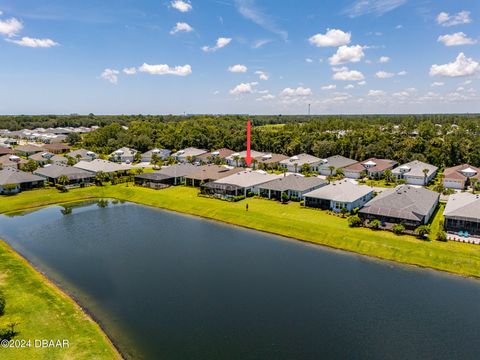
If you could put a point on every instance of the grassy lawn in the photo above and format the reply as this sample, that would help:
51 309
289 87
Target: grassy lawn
44 312
290 220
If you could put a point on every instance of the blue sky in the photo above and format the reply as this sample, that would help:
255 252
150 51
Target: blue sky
239 56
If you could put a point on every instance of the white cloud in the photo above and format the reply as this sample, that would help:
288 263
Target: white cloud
10 27
243 88
164 69
181 27
308 60
437 84
375 7
402 73
362 83
34 43
383 59
130 71
347 54
110 75
462 66
298 92
445 19
260 42
238 68
249 10
345 74
399 26
349 87
266 97
181 6
329 87
333 37
456 39
384 74
376 93
221 42
261 75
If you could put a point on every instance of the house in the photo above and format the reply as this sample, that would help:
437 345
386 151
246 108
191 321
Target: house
168 175
238 158
104 166
162 154
187 154
269 161
48 158
13 181
458 177
82 155
6 151
462 213
240 183
210 172
219 155
415 172
295 163
52 173
123 155
56 148
341 194
12 161
27 150
372 167
412 206
293 185
330 165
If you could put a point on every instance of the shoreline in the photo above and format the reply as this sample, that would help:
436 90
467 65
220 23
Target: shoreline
109 196
65 295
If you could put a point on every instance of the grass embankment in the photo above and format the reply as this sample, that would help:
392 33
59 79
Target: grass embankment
43 312
290 220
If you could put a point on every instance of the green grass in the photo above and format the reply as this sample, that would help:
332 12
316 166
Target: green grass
42 311
290 220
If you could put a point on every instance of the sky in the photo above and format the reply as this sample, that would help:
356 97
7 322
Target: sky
239 56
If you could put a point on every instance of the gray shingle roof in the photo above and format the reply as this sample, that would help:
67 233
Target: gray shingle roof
13 176
337 161
178 170
55 171
416 169
463 205
403 202
98 165
248 178
293 182
301 159
342 191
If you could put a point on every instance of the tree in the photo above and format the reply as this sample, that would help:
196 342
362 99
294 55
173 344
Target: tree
305 169
422 231
63 180
340 173
73 138
254 163
236 158
441 236
375 224
388 175
473 183
354 221
3 303
363 174
332 169
296 167
30 166
9 188
100 177
284 197
398 229
343 211
154 160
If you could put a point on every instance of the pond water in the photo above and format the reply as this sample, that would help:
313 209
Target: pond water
169 286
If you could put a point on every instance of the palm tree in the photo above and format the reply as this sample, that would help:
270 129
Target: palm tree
154 160
236 158
425 175
340 173
63 180
473 183
296 167
254 163
100 177
388 175
422 231
332 169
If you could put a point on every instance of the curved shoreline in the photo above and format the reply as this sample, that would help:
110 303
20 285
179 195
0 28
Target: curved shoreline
62 293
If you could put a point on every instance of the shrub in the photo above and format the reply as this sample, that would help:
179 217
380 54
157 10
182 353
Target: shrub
422 231
354 221
441 236
375 224
398 229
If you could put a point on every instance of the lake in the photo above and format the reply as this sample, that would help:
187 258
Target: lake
169 286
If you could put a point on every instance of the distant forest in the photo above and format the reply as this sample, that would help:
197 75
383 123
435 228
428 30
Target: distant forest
442 140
